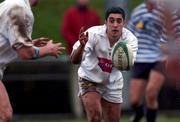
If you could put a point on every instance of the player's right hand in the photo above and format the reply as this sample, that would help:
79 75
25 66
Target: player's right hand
40 42
83 37
54 49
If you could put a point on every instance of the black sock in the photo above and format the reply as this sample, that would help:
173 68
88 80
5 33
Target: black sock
139 113
151 115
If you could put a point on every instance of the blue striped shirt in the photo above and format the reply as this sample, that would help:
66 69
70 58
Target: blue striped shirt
147 27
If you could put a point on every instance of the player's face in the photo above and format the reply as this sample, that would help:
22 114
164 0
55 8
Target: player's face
150 5
114 24
83 2
33 2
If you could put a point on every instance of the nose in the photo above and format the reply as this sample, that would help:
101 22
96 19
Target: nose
115 24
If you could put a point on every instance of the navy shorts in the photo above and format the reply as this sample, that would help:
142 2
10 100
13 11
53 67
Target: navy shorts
142 70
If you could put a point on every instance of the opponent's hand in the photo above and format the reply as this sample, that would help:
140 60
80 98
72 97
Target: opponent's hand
83 37
40 42
54 49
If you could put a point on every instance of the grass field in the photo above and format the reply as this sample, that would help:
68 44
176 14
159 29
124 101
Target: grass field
124 119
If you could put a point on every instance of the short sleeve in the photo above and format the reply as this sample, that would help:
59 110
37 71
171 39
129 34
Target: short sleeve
20 27
132 41
76 45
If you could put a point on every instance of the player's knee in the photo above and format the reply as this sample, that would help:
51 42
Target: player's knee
134 102
151 95
6 114
95 116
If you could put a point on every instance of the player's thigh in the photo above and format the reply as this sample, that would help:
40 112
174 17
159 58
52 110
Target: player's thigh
136 90
111 111
140 76
92 105
5 105
155 82
90 96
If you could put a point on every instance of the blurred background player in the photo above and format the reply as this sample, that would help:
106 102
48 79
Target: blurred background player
148 72
172 36
100 84
16 26
80 15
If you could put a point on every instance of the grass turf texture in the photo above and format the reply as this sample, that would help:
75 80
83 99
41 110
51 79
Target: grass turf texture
124 119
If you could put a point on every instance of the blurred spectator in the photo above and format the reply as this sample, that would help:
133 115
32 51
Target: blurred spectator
148 71
76 17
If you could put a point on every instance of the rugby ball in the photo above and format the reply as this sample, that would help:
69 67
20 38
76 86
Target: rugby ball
122 56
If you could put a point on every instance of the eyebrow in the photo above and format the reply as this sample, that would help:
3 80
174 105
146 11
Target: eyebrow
114 18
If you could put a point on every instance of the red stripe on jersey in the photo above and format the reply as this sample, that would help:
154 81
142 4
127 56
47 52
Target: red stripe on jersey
105 65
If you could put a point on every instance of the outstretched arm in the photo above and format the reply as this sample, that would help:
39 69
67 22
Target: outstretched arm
50 49
19 33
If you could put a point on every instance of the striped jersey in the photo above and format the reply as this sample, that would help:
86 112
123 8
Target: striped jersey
176 23
171 33
147 27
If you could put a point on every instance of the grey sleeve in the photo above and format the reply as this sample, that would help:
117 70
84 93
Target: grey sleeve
18 27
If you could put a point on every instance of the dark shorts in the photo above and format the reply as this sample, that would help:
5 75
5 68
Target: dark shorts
142 70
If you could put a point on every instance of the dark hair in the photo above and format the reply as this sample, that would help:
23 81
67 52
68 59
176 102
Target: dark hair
116 10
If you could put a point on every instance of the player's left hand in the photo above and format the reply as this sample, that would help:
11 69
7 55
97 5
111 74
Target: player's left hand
83 37
40 42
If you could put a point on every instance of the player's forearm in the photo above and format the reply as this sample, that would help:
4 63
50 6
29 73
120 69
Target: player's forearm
76 56
32 52
43 51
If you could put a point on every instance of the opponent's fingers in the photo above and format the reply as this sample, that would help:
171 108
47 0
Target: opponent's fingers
44 39
59 52
61 48
58 44
50 42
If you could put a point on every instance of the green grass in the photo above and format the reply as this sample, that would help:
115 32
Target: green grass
133 3
124 119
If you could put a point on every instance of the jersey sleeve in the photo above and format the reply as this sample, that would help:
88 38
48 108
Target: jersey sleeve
18 30
133 42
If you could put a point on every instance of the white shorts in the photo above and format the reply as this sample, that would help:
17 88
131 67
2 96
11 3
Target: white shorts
112 92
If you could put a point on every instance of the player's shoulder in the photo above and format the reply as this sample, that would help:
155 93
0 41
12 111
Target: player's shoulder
126 33
11 4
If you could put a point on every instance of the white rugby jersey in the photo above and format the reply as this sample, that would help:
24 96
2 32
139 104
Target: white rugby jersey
16 20
96 64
